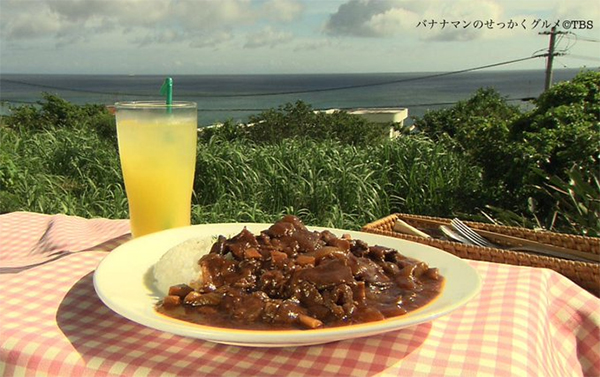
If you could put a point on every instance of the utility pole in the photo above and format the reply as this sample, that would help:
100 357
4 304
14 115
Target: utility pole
551 54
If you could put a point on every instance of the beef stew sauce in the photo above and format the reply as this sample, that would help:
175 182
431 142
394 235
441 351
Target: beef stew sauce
288 277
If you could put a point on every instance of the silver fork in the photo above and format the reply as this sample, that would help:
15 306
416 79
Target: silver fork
455 236
477 239
470 234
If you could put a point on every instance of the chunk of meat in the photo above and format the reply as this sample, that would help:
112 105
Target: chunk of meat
370 272
329 273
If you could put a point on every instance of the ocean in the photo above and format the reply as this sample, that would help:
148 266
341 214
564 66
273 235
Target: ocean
236 97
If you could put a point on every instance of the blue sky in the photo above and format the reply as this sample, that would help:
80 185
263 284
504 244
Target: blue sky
290 36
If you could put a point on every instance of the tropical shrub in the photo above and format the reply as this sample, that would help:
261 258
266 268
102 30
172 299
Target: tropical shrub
300 120
478 127
563 129
520 152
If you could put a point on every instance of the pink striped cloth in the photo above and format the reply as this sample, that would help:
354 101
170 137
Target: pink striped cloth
525 322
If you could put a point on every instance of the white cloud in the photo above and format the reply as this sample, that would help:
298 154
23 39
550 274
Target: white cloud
267 37
144 21
317 45
159 36
283 10
214 40
352 17
389 18
77 10
193 15
23 27
392 21
66 21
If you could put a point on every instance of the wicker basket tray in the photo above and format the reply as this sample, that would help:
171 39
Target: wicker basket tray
585 274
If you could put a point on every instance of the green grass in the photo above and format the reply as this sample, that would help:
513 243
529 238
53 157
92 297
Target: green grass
327 183
60 171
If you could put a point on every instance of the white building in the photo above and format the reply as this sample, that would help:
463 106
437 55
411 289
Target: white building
378 115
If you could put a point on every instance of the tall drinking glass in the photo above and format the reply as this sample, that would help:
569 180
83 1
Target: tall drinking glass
157 148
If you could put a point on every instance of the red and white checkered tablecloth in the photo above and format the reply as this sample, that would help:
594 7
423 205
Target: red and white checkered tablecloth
525 322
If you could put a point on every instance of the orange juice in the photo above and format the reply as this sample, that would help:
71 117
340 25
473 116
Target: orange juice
158 156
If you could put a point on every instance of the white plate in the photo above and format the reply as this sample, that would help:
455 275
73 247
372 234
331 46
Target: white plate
124 282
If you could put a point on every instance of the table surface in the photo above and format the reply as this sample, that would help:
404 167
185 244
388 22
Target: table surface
525 322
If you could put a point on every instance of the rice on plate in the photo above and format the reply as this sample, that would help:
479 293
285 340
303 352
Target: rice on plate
180 264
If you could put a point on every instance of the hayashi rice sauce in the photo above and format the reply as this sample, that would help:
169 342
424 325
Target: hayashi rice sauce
289 277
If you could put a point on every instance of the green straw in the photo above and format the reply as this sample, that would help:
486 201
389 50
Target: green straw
167 90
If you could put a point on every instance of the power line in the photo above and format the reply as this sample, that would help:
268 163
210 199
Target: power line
408 105
19 82
358 86
585 39
524 99
347 87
